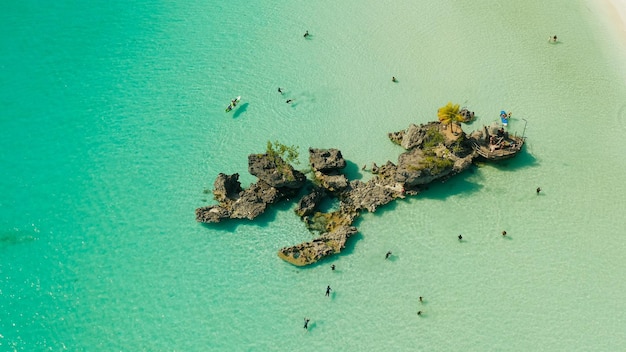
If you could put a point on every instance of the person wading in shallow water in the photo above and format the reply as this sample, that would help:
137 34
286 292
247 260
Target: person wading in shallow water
388 255
328 289
306 323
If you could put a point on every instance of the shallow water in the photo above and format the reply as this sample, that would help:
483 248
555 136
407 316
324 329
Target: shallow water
113 128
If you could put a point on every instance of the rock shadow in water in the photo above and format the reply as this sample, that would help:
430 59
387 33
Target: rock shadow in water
521 161
352 171
457 186
262 221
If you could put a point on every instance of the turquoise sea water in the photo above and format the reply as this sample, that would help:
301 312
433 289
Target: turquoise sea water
112 128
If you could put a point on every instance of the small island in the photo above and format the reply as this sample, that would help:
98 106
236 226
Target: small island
434 151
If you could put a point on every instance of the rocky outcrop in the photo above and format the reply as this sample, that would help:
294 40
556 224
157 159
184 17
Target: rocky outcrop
333 183
326 160
414 136
226 187
416 169
212 214
247 204
327 222
308 203
433 152
327 165
277 180
372 194
327 244
274 171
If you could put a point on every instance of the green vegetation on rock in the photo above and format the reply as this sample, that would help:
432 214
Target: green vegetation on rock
435 164
433 138
281 153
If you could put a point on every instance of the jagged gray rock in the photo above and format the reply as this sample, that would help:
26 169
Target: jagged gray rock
212 214
414 171
414 136
275 171
333 183
371 194
253 201
327 244
308 203
326 160
226 187
248 204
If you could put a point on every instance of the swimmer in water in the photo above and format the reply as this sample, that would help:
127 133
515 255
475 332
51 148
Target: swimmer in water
306 323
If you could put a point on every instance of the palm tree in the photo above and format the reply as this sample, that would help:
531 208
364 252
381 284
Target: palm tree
449 114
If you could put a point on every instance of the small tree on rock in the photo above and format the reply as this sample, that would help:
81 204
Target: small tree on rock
281 153
449 114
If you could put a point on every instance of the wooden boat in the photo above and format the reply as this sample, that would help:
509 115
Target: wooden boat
496 143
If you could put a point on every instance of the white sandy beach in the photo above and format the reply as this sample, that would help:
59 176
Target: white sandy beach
619 6
614 11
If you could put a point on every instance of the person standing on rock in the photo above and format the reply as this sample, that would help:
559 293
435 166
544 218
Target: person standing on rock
328 289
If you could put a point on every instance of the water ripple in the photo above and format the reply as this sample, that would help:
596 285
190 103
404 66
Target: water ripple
621 116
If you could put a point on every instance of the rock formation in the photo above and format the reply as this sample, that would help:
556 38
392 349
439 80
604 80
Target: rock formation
327 244
274 171
277 180
326 160
308 203
327 165
433 152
